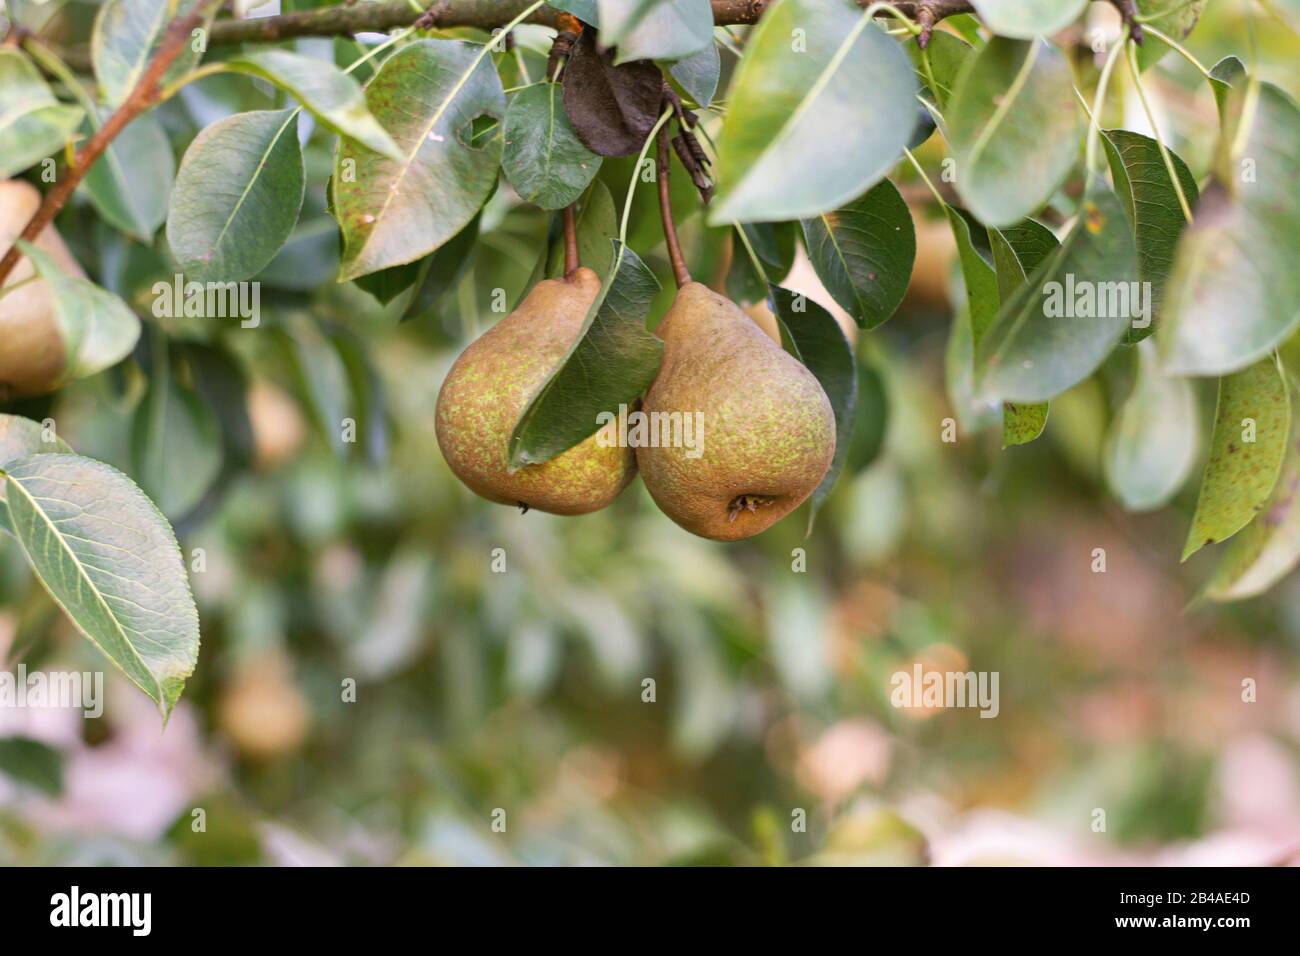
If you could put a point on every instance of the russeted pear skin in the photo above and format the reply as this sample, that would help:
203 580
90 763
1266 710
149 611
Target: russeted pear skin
491 384
769 430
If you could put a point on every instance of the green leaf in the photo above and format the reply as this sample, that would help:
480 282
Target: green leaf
613 362
1234 293
20 437
1021 424
1059 326
1025 19
1144 187
1173 18
127 35
655 29
98 329
441 271
33 124
318 375
988 284
237 196
543 158
870 418
585 10
110 561
1017 251
812 335
1240 474
1152 445
130 183
369 402
1014 128
1266 550
175 440
33 763
333 96
427 95
387 284
1223 75
864 253
698 73
809 129
939 64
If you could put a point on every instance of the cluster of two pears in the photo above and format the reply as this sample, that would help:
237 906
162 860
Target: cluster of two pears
768 437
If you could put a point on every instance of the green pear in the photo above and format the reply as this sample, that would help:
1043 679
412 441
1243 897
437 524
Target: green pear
493 382
768 427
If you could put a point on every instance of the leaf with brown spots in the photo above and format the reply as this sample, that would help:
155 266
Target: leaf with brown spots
1251 425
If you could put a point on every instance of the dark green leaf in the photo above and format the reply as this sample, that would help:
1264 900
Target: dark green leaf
368 399
132 180
812 335
613 362
1144 187
441 271
33 763
544 160
864 253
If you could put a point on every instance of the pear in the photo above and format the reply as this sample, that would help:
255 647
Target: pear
33 355
768 428
492 383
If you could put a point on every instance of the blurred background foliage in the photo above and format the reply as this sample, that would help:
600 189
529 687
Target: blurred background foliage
319 561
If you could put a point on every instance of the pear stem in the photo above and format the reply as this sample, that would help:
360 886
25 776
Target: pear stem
571 260
680 272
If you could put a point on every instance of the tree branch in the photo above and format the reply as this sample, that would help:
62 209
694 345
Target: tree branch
141 97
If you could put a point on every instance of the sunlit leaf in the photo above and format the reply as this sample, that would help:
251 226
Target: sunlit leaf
1152 445
821 106
333 96
33 124
427 95
110 561
1014 127
655 29
1024 19
1234 292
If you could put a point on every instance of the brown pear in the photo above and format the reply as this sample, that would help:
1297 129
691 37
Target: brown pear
33 356
492 383
768 428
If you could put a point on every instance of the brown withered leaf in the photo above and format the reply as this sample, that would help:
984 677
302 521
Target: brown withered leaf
612 108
